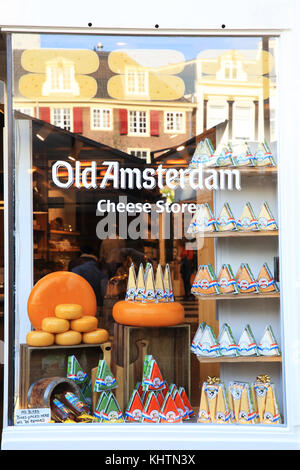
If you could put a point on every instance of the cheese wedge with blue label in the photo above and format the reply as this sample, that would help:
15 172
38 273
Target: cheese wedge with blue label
247 345
247 221
226 221
265 280
268 345
265 219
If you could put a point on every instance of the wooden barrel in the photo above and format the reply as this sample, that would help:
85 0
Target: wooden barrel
41 391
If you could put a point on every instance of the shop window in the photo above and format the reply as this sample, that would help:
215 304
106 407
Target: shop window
140 153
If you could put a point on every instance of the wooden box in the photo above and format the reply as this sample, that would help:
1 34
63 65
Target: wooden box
170 347
51 361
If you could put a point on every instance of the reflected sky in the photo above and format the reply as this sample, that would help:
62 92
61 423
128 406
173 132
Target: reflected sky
189 46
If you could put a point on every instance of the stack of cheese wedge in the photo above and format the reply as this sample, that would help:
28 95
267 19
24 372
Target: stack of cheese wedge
67 327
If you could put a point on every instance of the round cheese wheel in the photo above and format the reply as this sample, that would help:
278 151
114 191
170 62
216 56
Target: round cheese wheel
146 314
96 336
69 338
55 325
59 287
68 311
40 338
84 324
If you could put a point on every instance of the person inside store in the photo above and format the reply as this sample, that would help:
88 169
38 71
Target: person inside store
87 266
186 269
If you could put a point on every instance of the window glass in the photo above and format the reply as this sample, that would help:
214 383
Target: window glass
147 254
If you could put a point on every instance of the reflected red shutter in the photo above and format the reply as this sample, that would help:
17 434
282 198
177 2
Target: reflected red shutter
77 120
123 121
44 114
154 122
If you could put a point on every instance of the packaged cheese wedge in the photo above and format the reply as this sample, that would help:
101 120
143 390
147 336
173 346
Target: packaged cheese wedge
131 284
133 412
105 379
227 343
265 219
266 401
208 344
203 155
226 221
197 337
207 283
245 280
179 405
169 412
151 410
75 371
241 154
196 281
226 281
223 413
168 284
101 404
241 403
268 345
263 155
152 377
203 413
203 220
223 155
211 388
149 294
140 285
247 221
265 280
247 345
159 397
112 412
186 402
161 295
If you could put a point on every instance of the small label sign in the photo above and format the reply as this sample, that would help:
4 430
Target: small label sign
33 416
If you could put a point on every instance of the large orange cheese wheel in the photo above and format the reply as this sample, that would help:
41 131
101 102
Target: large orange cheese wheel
95 337
146 314
60 287
40 338
84 324
69 338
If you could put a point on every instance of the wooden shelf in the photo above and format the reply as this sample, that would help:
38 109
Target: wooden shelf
275 295
64 232
74 250
238 234
240 359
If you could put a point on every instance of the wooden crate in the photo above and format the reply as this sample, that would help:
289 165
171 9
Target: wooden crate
41 362
170 347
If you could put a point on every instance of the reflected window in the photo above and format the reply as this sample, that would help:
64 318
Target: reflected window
60 77
136 82
140 153
138 122
62 117
101 118
174 122
243 120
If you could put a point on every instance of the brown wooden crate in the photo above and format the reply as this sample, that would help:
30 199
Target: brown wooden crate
41 362
170 347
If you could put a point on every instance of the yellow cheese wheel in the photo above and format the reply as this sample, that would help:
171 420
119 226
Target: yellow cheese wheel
69 338
96 336
84 324
55 325
68 311
40 338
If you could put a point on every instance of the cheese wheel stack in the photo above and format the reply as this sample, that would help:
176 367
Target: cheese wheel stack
68 327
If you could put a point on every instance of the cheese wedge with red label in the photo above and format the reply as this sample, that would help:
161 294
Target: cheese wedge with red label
247 221
227 343
247 345
133 412
151 409
223 413
263 155
241 403
268 345
265 280
205 282
208 345
226 281
203 220
265 219
242 155
245 280
169 412
204 412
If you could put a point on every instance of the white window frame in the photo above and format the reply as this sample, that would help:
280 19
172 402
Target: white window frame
25 110
173 113
251 125
52 114
56 74
147 123
101 110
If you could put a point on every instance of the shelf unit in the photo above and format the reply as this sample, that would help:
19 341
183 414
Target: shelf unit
259 296
239 359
